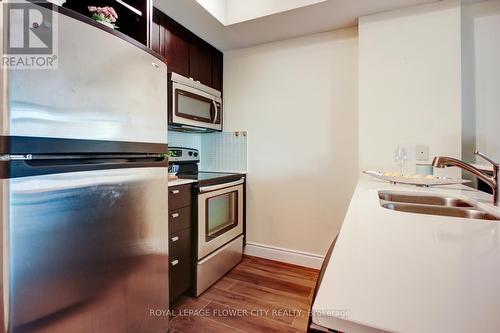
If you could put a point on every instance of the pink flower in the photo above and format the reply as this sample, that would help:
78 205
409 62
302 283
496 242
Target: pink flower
112 11
107 13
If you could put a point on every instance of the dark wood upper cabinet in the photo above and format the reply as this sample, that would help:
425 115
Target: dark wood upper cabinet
200 62
217 65
134 16
170 40
176 47
154 39
186 53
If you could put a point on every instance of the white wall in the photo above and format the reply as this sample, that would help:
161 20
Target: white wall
409 83
298 101
468 102
481 45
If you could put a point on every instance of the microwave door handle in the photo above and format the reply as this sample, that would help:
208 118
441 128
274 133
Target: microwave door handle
216 114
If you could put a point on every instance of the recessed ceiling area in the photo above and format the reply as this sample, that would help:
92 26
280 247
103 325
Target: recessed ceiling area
282 24
235 11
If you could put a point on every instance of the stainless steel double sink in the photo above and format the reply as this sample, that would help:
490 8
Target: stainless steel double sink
433 205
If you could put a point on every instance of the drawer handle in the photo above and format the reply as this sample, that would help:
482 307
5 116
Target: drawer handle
175 191
174 263
174 215
174 239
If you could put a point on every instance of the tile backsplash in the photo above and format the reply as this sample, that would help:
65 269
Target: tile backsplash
226 151
219 151
184 140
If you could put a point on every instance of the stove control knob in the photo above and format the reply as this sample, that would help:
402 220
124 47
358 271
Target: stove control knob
195 154
190 153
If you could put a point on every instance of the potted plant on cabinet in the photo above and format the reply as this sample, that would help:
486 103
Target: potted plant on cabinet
104 15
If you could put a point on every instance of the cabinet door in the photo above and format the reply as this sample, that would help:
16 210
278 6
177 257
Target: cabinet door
200 62
176 47
130 21
154 38
180 263
186 53
217 63
179 219
133 15
179 196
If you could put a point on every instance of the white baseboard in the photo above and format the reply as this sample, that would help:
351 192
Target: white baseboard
285 255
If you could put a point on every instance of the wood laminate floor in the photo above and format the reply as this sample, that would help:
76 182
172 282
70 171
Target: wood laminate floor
258 295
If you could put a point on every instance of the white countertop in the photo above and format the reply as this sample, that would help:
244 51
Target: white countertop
403 272
179 181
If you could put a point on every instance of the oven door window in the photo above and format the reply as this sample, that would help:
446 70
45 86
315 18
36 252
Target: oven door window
192 106
222 214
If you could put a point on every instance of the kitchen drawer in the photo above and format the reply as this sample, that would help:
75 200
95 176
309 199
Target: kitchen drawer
180 263
180 277
179 245
179 196
179 219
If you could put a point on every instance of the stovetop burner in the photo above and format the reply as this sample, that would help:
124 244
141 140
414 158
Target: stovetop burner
211 177
186 159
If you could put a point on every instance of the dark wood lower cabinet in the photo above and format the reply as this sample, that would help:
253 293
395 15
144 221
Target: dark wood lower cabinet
180 220
179 197
180 263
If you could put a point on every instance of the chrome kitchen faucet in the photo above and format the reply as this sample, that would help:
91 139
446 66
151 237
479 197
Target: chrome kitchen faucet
492 181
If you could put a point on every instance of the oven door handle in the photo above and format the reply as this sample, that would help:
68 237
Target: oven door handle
220 186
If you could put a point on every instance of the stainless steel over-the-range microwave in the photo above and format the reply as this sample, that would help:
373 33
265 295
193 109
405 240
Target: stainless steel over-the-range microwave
193 105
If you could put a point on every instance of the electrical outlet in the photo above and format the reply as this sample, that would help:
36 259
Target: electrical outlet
422 153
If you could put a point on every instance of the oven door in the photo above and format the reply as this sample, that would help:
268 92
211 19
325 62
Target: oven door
193 107
220 216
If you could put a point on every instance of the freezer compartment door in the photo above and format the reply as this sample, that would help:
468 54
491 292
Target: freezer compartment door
104 88
86 251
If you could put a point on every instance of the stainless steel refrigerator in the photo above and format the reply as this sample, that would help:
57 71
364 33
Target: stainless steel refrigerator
84 242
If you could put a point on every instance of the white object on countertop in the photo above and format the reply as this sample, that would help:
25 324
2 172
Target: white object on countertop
403 272
424 169
401 155
419 180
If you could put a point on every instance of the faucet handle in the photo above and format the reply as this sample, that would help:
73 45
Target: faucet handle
478 153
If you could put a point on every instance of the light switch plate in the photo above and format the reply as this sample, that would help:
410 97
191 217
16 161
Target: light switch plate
422 153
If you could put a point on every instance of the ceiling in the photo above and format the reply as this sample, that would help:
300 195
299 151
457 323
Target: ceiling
235 11
319 17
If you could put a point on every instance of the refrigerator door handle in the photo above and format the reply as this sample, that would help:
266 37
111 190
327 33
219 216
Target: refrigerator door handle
92 161
43 165
78 158
16 157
